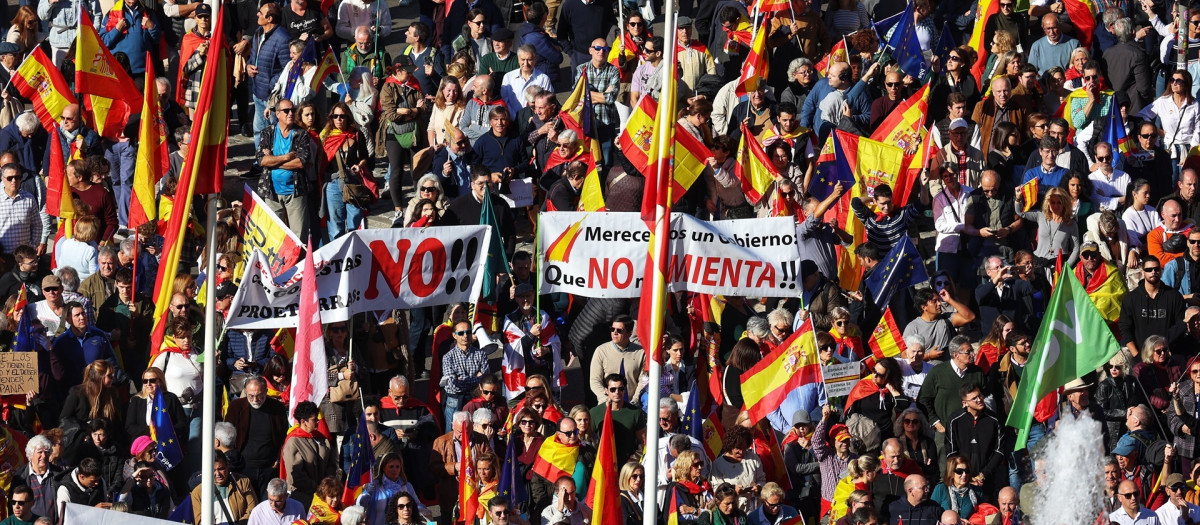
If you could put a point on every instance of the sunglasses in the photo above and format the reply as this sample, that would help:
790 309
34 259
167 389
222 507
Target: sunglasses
51 289
337 116
1178 80
20 502
487 392
337 329
1194 22
1128 495
636 24
286 111
615 389
953 58
408 506
616 330
960 471
428 189
13 177
600 48
892 84
1146 135
525 422
1152 269
1103 158
462 143
912 421
462 333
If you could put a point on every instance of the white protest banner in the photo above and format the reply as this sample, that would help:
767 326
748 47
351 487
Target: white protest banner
841 378
368 270
604 255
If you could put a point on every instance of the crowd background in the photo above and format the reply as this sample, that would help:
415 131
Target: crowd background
433 107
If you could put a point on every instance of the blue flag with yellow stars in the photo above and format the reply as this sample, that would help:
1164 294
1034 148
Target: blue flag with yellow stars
163 433
359 461
832 169
512 485
901 268
693 422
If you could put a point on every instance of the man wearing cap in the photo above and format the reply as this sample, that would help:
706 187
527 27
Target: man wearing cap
693 58
1176 509
831 447
8 65
502 59
1132 512
960 156
193 55
1140 476
51 311
1102 281
803 469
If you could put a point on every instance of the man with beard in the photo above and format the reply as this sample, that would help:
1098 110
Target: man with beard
261 424
1151 309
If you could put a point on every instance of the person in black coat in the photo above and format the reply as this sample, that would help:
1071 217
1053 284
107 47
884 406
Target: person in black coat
1129 68
916 508
137 418
1003 293
885 404
465 210
25 138
457 176
564 194
974 432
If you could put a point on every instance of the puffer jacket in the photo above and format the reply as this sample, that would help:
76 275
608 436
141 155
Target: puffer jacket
270 54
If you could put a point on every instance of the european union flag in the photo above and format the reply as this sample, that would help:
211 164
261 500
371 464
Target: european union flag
1114 133
692 421
830 173
511 485
308 56
883 26
360 459
24 338
905 47
163 433
945 45
901 268
183 513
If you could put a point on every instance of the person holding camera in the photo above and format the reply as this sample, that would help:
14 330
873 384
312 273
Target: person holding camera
1003 293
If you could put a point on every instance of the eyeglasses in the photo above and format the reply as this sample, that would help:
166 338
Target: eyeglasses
636 24
1089 254
953 58
960 471
636 476
1194 22
178 306
1100 158
428 189
462 333
500 513
1009 5
525 422
487 392
286 111
600 48
615 389
828 348
12 177
337 116
569 432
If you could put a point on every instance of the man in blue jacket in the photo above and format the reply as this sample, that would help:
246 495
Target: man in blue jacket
134 33
502 151
267 57
79 345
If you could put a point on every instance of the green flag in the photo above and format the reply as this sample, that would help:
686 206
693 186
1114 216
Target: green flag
1072 341
497 262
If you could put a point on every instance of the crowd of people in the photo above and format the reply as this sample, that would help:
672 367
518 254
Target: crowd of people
472 104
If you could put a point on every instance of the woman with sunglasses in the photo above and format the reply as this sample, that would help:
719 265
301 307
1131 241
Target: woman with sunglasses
1157 371
957 79
916 436
583 424
956 492
689 490
526 437
490 395
1057 230
1118 391
390 492
429 188
401 509
882 405
1176 108
632 483
351 188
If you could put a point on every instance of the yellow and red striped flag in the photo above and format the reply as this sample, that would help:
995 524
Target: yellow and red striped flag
1029 191
902 127
656 213
152 156
97 71
577 113
325 67
713 435
887 339
839 53
753 168
754 68
41 82
58 191
603 495
468 482
203 169
793 365
591 196
987 8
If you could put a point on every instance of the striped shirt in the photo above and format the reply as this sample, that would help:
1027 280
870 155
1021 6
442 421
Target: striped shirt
832 466
19 221
884 231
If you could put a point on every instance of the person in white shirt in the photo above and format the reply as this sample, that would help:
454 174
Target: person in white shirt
1140 217
950 221
354 13
278 508
515 83
1177 509
913 366
1131 512
1108 183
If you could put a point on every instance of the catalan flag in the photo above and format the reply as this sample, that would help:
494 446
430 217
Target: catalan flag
577 113
1029 192
170 453
97 73
203 169
152 156
468 483
361 457
40 81
603 494
690 153
325 67
753 168
555 460
793 365
887 339
754 68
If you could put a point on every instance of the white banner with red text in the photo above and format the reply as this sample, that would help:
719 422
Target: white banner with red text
368 270
604 255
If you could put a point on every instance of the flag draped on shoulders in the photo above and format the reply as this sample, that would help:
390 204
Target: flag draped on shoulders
555 460
517 336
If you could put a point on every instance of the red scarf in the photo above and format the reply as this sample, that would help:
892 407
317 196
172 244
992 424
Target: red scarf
497 102
412 82
424 221
695 489
334 142
191 41
679 48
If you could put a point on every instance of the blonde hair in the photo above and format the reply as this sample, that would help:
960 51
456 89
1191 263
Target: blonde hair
861 466
1004 40
1067 202
87 228
683 463
626 479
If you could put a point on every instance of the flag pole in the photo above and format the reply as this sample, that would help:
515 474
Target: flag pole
210 366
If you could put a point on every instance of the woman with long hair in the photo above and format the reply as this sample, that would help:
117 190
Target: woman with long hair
726 510
1004 153
278 376
583 425
25 31
1140 217
957 79
1079 187
744 355
424 215
912 428
690 492
401 509
489 480
992 349
95 398
1179 114
527 437
1158 371
389 484
888 399
448 106
1119 390
860 475
400 106
137 416
429 187
1057 231
349 190
1002 42
632 483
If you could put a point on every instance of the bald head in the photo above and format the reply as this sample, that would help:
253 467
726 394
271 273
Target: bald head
1008 500
949 518
1171 215
835 75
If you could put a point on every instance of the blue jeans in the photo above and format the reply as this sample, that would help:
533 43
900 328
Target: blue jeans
122 158
342 217
260 122
453 403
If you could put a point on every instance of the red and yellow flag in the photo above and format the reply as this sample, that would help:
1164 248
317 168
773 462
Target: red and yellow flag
1083 16
603 494
40 81
753 168
713 435
325 67
577 113
59 202
793 364
839 53
690 153
627 48
1029 191
468 482
903 125
591 196
987 8
97 72
203 169
152 156
754 68
555 460
887 339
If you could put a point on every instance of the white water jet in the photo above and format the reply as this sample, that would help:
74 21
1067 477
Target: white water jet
1070 472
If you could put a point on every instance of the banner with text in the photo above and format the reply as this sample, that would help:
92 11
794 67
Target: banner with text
262 230
368 270
604 254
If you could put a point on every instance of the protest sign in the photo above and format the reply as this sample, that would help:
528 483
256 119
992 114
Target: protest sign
368 270
603 255
264 231
18 372
840 378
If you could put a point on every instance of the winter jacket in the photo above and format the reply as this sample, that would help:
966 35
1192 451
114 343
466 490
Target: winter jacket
925 513
1115 396
269 53
978 439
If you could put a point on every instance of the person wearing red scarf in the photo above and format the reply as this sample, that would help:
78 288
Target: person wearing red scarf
346 166
399 407
193 53
308 455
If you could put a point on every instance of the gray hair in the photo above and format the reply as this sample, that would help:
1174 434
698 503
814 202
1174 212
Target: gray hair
994 262
796 64
277 487
568 135
898 423
255 379
36 443
1111 15
69 277
1123 29
671 405
429 177
107 251
680 442
398 381
528 49
27 122
958 342
225 432
780 316
128 246
460 417
1148 348
43 521
915 340
771 489
163 83
758 326
353 515
482 415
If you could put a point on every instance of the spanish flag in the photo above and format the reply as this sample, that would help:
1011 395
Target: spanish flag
97 72
591 196
753 168
1029 192
690 152
468 483
40 81
627 49
887 340
603 494
987 8
1083 16
903 125
555 460
152 156
792 365
58 191
325 67
577 111
754 68
713 435
839 53
203 169
1106 288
